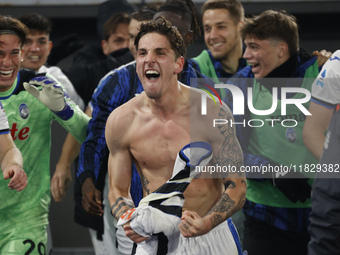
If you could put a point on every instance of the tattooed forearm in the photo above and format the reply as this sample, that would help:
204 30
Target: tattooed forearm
224 205
117 201
116 213
145 182
119 207
216 219
241 202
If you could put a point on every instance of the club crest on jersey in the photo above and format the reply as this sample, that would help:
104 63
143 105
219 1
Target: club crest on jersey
24 111
291 134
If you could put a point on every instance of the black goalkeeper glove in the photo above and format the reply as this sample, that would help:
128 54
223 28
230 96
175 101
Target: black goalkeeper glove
293 185
64 48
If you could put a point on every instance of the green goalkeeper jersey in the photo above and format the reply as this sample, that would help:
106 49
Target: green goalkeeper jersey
30 126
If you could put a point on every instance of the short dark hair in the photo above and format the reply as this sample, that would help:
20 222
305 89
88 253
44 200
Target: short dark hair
9 25
234 7
112 23
36 22
163 27
274 24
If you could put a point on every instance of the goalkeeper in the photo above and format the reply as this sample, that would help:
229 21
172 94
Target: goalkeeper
10 157
24 217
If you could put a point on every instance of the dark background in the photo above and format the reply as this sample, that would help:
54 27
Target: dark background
318 26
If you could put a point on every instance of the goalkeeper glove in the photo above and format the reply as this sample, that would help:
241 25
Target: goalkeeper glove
51 95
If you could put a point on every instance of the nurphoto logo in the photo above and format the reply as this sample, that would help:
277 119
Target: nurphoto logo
238 99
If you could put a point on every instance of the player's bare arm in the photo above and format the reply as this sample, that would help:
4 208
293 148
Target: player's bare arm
118 126
120 160
227 152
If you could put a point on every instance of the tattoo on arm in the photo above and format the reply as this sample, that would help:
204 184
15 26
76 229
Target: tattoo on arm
229 184
241 202
243 197
230 153
224 205
116 213
244 182
117 207
116 203
217 219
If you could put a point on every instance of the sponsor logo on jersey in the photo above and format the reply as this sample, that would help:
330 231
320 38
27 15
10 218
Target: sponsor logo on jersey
24 111
21 134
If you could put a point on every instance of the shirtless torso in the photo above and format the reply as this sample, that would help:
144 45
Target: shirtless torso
152 140
152 128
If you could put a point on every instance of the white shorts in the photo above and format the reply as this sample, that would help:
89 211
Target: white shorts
222 240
